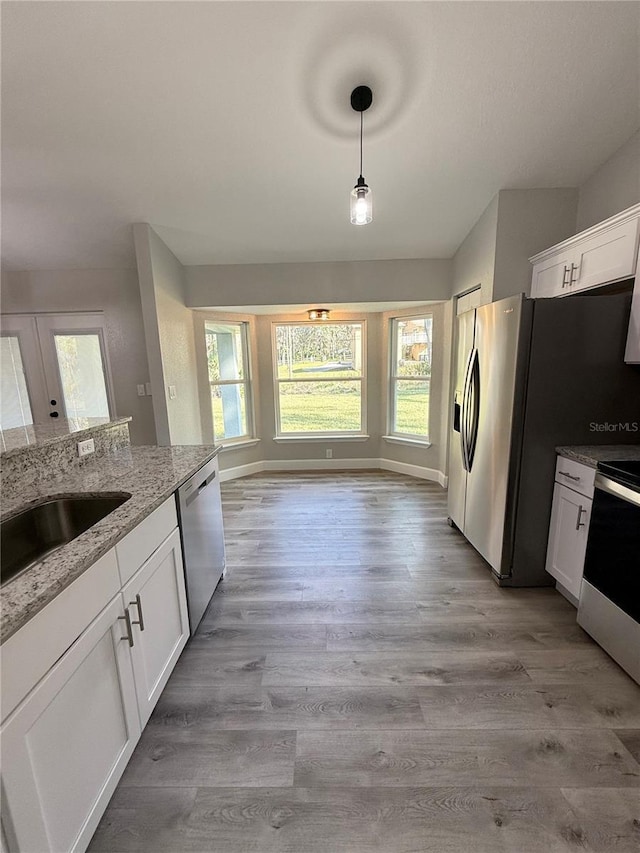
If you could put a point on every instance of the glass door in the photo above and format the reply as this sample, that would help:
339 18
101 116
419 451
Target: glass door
75 365
23 390
54 365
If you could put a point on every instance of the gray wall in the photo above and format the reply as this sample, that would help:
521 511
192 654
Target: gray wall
342 281
474 261
115 292
613 187
528 221
170 335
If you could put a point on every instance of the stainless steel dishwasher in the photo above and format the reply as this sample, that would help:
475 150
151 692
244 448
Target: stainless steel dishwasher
200 513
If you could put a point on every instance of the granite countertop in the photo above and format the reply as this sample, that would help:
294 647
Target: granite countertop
591 455
149 474
37 435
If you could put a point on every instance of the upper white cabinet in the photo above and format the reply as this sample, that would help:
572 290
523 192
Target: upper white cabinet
603 254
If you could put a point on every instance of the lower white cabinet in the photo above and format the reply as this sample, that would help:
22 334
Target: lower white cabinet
570 515
157 605
66 746
69 738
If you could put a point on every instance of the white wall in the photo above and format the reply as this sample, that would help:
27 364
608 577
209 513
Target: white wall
613 187
115 292
170 339
342 281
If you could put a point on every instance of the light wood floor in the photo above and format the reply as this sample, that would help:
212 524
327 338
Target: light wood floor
360 684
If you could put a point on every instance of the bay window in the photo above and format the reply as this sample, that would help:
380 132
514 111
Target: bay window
410 377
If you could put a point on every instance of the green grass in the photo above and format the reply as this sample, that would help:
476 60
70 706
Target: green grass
335 412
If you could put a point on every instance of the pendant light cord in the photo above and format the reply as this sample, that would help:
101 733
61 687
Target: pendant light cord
361 122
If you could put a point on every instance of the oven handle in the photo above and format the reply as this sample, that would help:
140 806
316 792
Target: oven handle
617 489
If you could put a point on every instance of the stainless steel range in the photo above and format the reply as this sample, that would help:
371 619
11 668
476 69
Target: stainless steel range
609 608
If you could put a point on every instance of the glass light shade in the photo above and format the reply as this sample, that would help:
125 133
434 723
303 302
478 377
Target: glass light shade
361 205
318 314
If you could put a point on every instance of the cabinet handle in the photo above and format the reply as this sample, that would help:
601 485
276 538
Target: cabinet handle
565 281
127 621
574 268
580 523
140 620
570 476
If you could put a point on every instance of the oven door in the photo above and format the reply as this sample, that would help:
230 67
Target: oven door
612 563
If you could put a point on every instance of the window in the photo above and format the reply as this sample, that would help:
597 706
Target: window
319 373
410 376
228 370
15 409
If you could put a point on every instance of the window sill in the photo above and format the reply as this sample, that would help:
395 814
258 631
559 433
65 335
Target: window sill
244 443
410 442
324 438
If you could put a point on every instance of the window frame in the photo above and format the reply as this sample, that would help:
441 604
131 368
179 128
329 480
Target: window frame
360 433
392 378
247 338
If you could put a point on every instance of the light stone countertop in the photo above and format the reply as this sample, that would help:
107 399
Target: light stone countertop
149 474
23 438
591 455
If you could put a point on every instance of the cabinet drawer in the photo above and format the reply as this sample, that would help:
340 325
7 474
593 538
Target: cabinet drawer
33 650
576 476
139 545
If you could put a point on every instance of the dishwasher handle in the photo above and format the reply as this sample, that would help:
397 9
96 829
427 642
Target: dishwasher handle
197 491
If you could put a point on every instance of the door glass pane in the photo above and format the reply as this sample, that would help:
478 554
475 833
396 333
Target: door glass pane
82 375
15 410
229 411
412 407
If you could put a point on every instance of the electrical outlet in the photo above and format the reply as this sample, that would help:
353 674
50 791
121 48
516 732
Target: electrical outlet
86 447
147 385
140 390
172 392
329 454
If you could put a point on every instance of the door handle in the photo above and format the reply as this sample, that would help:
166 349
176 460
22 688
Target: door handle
565 280
474 413
464 414
140 620
574 268
570 476
580 523
127 621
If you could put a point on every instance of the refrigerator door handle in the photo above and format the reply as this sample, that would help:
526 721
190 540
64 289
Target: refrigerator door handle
464 415
474 407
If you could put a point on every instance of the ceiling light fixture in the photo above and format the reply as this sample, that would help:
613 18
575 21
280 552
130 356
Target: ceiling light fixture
318 313
361 201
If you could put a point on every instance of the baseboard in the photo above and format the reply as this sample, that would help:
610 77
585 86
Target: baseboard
418 471
319 464
241 471
414 471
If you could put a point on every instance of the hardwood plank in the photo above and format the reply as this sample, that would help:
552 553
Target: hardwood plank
299 820
282 637
178 757
609 818
388 668
589 758
427 638
207 709
588 663
312 612
204 663
374 590
631 740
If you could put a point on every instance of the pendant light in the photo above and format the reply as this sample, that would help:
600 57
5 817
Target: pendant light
361 200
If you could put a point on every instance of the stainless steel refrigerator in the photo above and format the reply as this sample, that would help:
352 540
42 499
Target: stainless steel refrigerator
530 375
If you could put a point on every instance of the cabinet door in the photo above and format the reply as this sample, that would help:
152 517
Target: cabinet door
66 746
609 256
157 604
570 516
551 276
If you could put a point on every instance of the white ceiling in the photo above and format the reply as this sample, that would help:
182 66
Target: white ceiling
227 125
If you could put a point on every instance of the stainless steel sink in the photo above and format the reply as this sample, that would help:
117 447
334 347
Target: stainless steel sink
30 535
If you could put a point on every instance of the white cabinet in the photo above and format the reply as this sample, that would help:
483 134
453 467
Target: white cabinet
157 606
569 527
66 746
605 253
82 691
